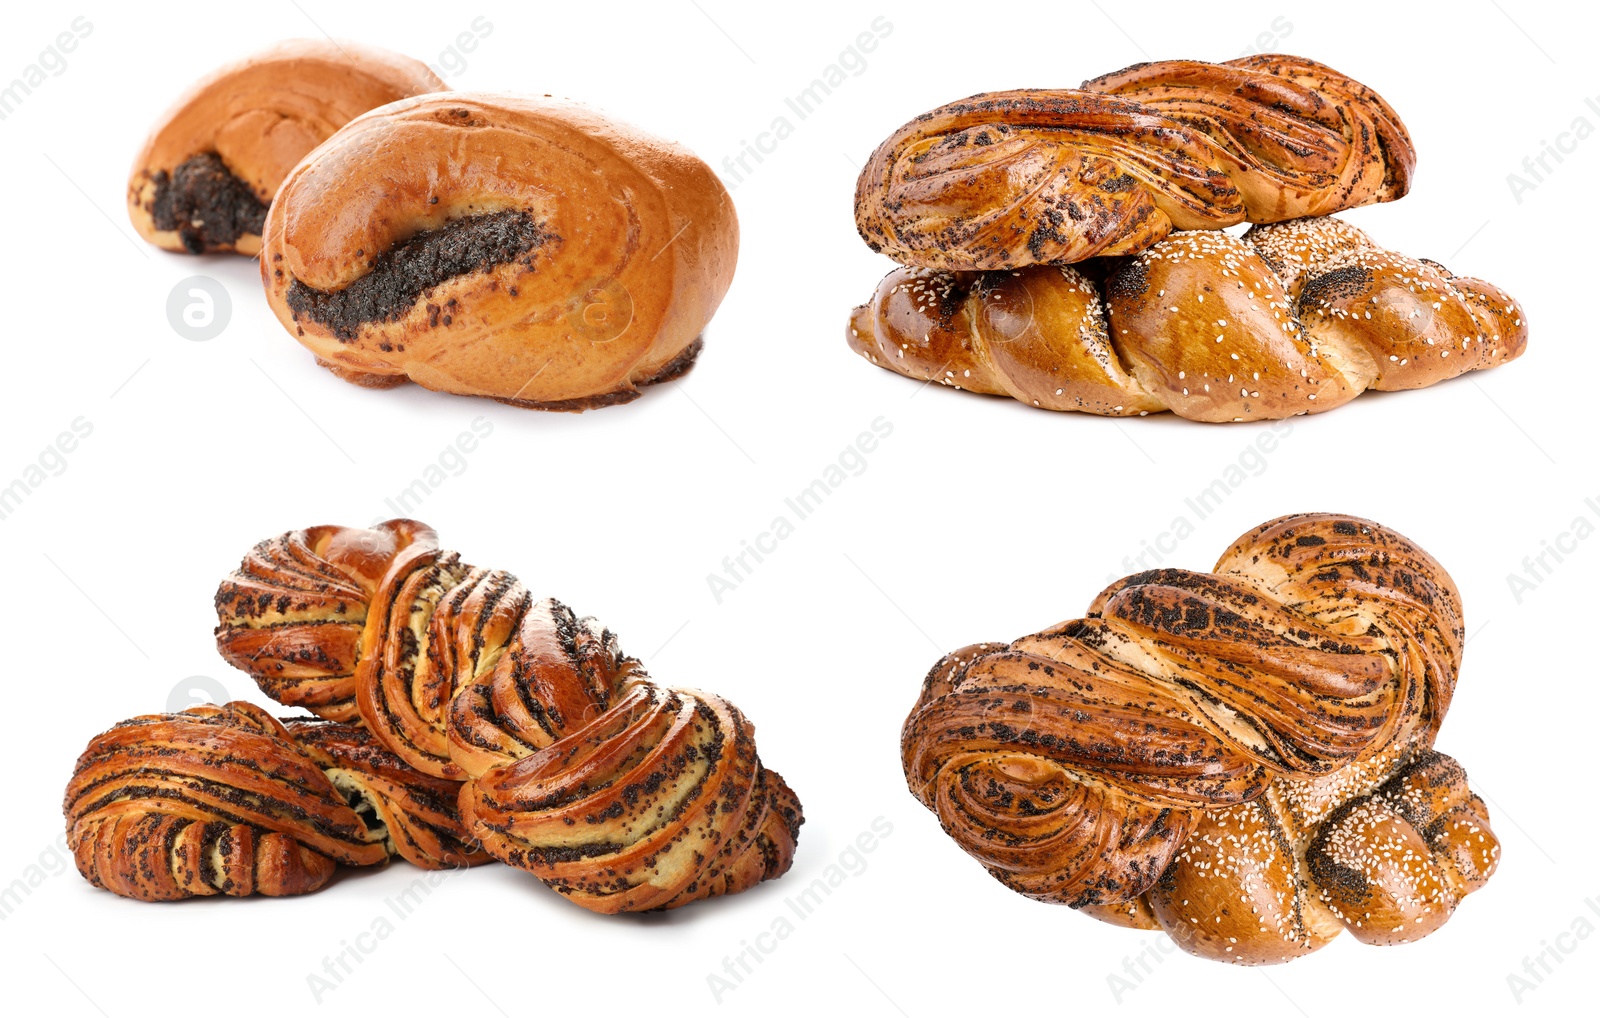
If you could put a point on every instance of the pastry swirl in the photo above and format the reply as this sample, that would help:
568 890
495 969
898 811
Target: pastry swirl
1005 180
617 791
1199 738
228 800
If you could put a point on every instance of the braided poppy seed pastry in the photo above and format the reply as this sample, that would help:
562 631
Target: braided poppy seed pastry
619 792
1004 180
529 250
1241 758
414 816
1293 318
210 167
292 615
228 800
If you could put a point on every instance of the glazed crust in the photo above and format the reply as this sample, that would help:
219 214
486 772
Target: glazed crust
1005 180
228 800
588 256
1294 318
1232 749
261 115
566 759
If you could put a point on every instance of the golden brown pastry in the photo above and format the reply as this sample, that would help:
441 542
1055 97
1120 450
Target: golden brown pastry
414 816
213 162
1293 318
1241 758
228 800
530 250
1004 180
294 612
621 793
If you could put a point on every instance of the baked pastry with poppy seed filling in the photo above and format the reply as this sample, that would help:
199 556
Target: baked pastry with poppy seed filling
620 792
526 249
211 165
1242 758
229 800
1004 180
1292 318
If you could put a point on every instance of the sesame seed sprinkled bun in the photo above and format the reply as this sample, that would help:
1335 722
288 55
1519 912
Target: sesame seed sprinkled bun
1292 318
1242 758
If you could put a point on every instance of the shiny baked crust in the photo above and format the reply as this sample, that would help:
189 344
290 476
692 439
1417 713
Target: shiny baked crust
1293 318
1004 180
526 249
228 800
260 116
1248 750
617 791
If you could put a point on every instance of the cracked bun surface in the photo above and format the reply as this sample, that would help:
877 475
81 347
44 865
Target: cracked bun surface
1242 758
526 249
213 162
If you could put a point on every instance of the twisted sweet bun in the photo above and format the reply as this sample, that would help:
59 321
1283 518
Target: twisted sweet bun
1241 758
623 794
227 800
1293 318
414 815
292 615
658 801
1004 180
530 250
211 165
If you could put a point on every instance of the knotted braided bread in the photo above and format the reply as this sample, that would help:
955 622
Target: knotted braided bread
1293 318
1004 180
228 800
1241 758
621 793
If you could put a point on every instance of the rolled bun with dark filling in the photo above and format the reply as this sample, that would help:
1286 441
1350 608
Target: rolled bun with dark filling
526 249
207 173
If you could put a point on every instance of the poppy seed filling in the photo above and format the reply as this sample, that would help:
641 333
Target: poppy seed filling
402 274
205 204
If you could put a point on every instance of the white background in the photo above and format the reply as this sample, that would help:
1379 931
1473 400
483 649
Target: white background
976 519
